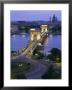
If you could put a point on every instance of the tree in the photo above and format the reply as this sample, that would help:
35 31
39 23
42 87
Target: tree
55 55
37 54
56 51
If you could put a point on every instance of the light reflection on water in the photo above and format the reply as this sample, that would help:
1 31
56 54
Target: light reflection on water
18 42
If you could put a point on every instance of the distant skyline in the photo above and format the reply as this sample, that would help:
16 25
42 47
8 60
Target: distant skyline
34 15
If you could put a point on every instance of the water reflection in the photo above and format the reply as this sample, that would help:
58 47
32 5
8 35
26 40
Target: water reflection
52 42
21 41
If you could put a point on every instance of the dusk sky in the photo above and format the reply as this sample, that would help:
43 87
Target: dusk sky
34 15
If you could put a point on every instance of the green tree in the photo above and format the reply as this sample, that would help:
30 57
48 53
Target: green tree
37 54
55 55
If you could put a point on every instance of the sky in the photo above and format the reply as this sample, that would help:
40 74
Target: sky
34 15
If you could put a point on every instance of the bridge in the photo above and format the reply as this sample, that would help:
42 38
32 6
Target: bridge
36 38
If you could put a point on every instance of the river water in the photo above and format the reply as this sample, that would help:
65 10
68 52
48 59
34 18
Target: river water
52 42
21 41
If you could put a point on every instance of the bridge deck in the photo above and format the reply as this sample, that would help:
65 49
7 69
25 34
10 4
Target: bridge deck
33 44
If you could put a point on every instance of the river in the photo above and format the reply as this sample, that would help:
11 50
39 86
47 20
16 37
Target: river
21 41
52 42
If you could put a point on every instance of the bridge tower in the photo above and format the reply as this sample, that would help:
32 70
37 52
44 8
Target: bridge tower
35 35
44 28
38 35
